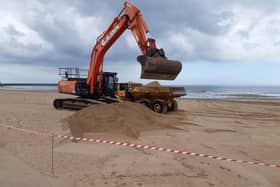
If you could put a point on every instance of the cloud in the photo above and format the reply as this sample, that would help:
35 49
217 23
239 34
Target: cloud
62 33
250 36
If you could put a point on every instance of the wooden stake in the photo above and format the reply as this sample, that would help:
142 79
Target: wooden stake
52 154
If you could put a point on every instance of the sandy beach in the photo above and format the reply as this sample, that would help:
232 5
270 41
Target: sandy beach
247 130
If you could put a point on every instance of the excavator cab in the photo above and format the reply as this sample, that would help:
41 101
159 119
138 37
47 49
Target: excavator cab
155 65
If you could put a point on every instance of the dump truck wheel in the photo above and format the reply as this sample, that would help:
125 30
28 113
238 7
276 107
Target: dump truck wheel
159 106
145 102
174 106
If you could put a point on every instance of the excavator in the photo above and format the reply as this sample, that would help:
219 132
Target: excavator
101 87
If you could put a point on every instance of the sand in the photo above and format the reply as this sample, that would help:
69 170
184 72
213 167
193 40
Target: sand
239 130
152 84
123 120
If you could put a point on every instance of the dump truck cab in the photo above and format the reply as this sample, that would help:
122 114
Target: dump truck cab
124 87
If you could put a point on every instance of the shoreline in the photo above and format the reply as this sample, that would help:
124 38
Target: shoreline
25 90
235 98
28 91
273 100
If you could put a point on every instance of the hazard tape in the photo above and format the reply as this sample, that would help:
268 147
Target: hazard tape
139 146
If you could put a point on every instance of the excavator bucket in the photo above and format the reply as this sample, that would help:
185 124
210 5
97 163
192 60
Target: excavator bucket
159 68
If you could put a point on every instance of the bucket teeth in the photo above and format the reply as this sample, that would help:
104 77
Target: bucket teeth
159 68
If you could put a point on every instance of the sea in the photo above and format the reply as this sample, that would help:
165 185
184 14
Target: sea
193 91
225 92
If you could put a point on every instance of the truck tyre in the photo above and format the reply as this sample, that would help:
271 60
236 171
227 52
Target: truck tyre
145 102
159 106
174 106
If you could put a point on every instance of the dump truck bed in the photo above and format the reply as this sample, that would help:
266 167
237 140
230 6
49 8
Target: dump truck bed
157 92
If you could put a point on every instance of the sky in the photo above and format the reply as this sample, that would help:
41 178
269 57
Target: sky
219 42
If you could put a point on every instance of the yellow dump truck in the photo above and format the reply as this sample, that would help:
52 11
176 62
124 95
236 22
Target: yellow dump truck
158 98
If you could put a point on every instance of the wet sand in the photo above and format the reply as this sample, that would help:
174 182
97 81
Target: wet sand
248 130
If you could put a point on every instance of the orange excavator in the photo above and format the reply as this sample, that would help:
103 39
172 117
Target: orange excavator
99 86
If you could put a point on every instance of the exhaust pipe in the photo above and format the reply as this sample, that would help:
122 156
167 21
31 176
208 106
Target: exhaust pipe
159 68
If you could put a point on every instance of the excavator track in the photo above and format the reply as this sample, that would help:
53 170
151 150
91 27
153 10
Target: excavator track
80 103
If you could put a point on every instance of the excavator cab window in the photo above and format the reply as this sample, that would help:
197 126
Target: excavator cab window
109 84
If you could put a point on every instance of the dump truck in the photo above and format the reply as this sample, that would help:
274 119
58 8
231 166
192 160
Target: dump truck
160 99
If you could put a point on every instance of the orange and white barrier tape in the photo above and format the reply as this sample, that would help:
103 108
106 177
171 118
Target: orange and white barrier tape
138 146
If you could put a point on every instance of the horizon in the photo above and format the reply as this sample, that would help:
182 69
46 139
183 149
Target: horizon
185 85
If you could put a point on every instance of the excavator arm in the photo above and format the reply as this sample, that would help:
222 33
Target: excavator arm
154 63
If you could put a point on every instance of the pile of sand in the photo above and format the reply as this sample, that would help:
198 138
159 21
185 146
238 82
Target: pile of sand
153 84
121 119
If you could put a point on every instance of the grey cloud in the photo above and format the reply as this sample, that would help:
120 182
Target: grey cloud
175 15
49 20
11 30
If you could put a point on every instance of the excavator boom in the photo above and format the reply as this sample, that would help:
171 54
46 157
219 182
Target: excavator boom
153 61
